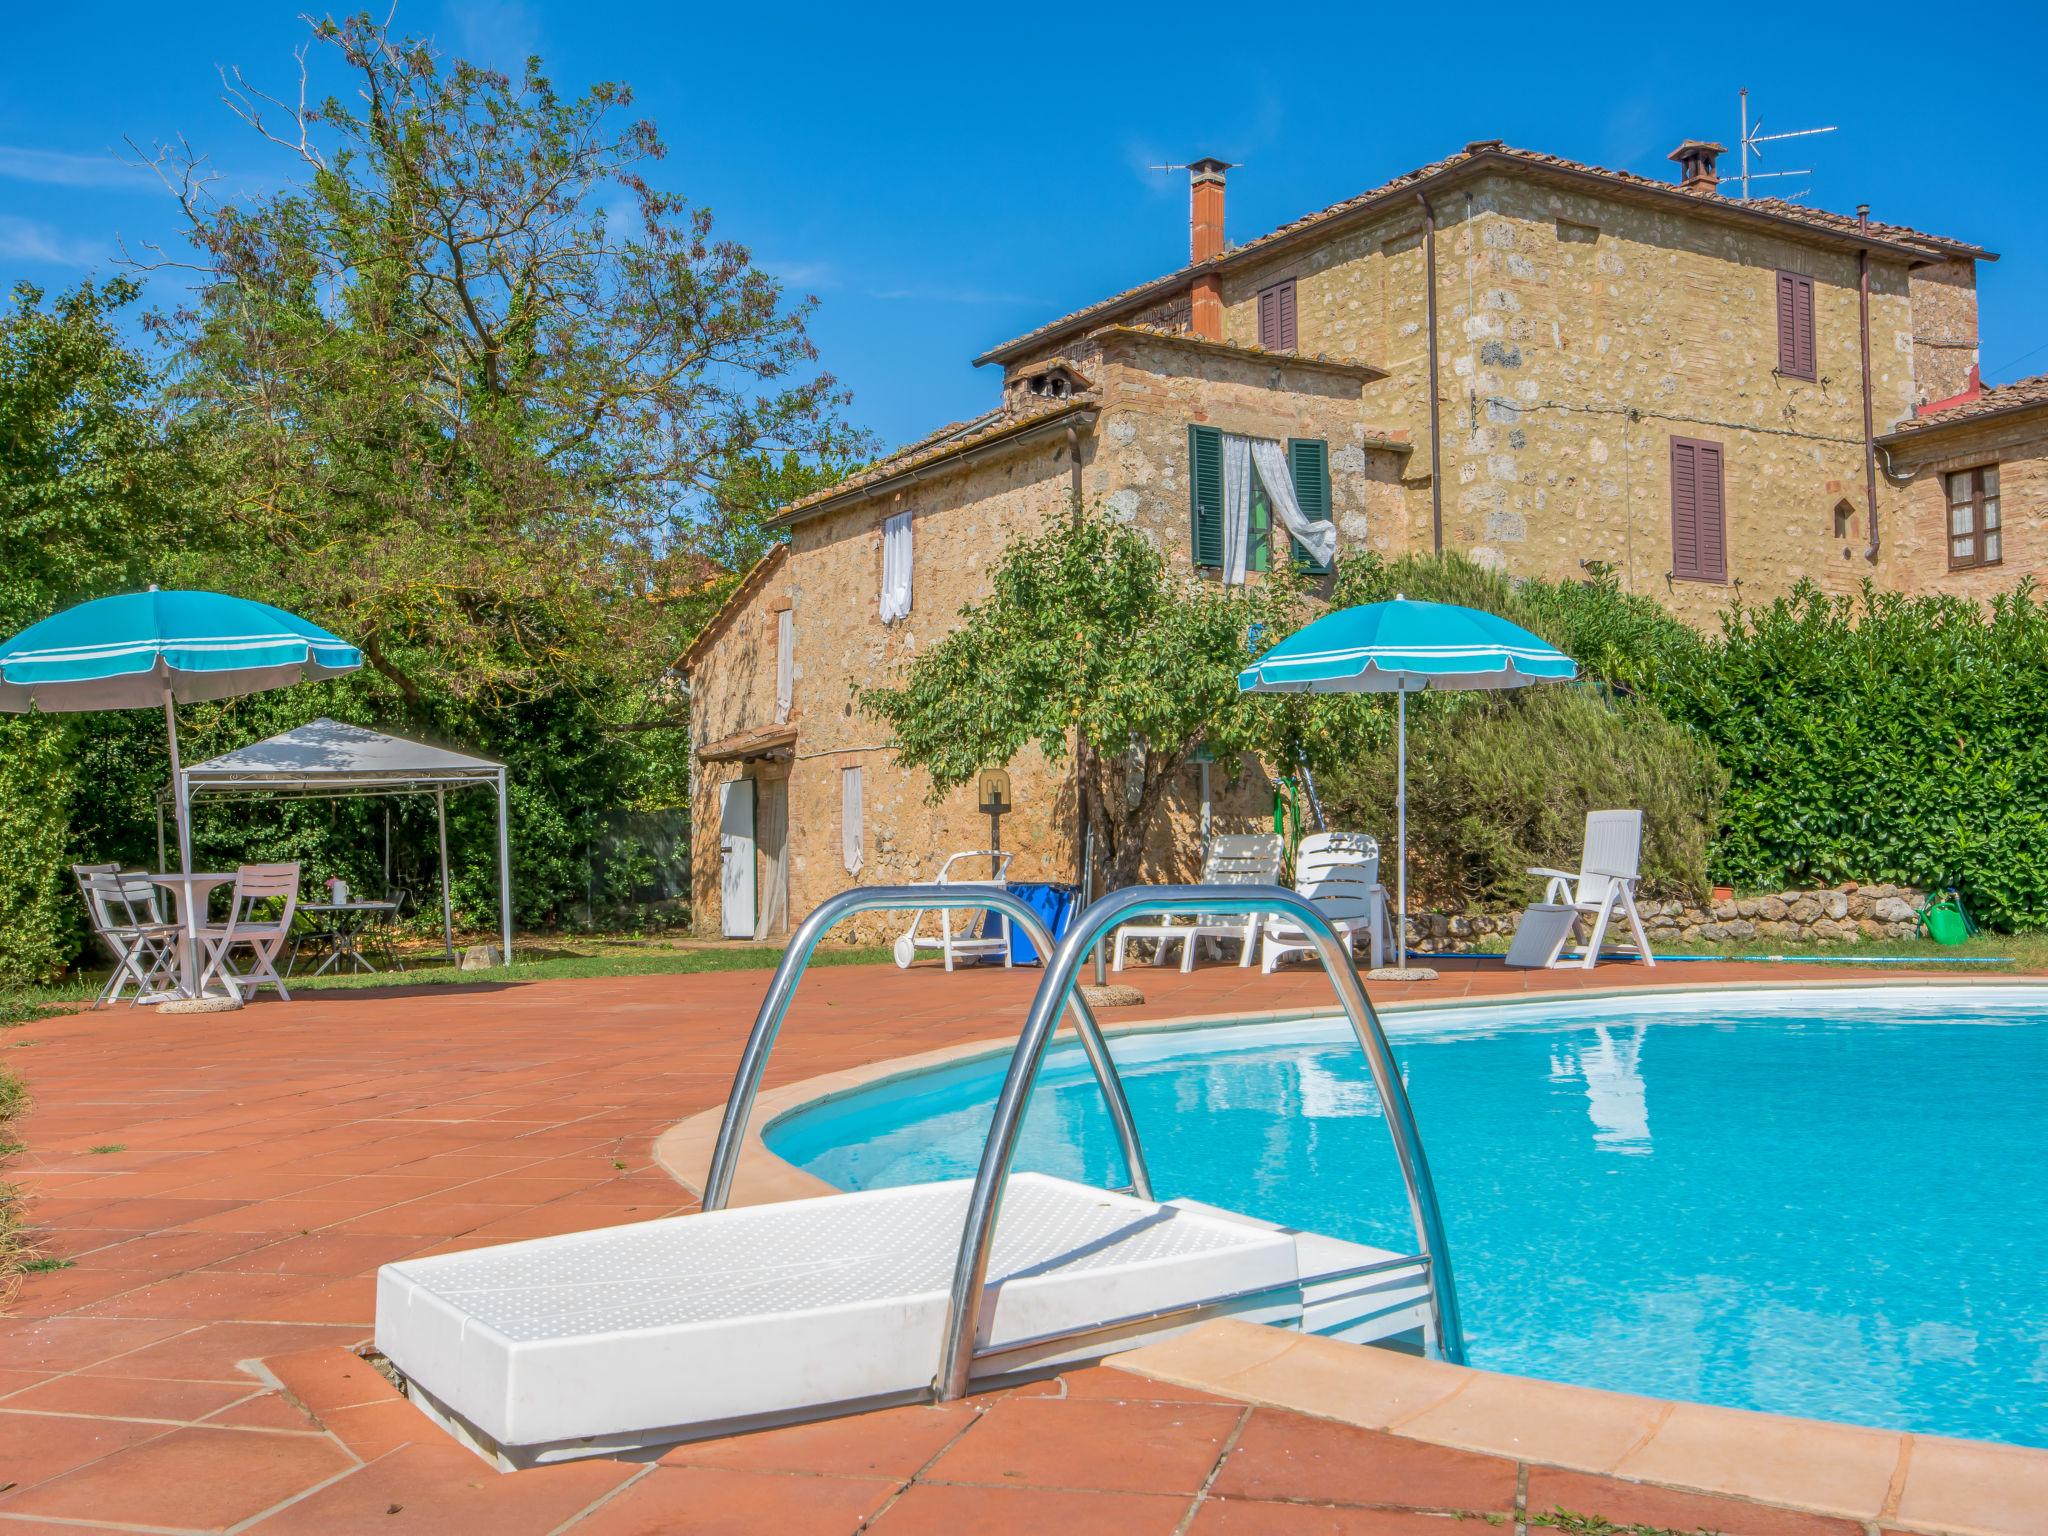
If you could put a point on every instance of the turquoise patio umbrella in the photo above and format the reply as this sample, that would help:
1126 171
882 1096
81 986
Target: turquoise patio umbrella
1405 647
144 649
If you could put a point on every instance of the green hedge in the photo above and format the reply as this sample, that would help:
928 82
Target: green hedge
1875 738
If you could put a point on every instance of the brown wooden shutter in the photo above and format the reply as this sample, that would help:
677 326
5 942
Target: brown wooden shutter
1699 526
1276 317
1795 325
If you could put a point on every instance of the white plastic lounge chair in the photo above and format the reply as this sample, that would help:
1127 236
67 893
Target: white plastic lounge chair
963 944
125 915
1340 873
1247 860
1609 868
262 936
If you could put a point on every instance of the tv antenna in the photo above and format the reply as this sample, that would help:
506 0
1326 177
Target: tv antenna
1753 140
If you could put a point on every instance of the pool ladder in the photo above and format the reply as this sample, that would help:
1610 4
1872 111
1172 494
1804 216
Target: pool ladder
1057 993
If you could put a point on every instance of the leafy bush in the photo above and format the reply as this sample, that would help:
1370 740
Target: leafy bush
1498 783
1880 738
39 916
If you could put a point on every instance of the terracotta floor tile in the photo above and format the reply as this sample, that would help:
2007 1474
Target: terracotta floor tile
1584 1493
373 1429
170 1253
352 1300
936 1509
197 1479
440 1490
292 1214
719 1501
1288 1456
127 1397
1126 1387
200 1295
330 1254
213 1351
1256 1517
40 1446
329 1376
265 1410
894 1442
67 1343
1120 1447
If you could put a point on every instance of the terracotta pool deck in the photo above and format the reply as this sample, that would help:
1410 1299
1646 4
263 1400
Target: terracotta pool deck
227 1185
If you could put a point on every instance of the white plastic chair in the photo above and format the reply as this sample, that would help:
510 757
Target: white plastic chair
963 944
264 937
1340 873
125 915
1609 870
1253 859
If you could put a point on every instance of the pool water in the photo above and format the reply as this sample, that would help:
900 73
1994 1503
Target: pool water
1827 1203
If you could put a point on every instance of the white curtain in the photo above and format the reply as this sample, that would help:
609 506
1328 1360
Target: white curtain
852 826
785 665
1237 506
895 567
1319 539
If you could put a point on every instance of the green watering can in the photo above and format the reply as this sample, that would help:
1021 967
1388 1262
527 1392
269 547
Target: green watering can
1944 919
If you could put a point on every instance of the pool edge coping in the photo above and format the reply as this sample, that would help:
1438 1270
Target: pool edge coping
1903 1481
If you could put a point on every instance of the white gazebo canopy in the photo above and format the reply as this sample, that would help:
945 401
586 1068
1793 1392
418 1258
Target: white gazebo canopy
328 759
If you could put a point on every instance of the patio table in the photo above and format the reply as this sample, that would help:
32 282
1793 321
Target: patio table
345 923
191 891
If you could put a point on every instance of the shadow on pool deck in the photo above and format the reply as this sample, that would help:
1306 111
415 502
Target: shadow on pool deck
271 1159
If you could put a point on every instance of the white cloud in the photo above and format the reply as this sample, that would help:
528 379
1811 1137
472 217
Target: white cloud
30 240
923 293
801 274
503 34
19 162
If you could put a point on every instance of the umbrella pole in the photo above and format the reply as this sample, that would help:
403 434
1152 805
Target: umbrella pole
447 902
1401 802
178 787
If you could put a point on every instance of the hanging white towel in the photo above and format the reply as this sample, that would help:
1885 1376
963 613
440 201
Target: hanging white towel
895 567
1237 507
1318 538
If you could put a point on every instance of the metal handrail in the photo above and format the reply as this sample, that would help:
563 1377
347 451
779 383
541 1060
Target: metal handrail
746 1083
970 1273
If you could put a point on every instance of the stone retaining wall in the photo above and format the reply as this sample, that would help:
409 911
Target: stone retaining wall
1833 916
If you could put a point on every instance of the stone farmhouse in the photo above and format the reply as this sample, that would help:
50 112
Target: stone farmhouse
1549 366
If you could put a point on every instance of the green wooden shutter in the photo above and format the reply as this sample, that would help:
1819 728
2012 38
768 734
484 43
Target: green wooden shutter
1308 460
1205 494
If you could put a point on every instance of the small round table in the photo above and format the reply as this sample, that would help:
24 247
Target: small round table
191 891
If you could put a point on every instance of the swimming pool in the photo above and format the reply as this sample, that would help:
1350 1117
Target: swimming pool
1822 1202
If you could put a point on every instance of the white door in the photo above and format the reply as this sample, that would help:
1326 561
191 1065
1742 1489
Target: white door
736 858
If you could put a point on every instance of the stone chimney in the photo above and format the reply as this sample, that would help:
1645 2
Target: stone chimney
1205 243
1696 171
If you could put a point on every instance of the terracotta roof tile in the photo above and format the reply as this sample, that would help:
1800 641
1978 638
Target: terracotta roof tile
2015 396
1492 151
943 444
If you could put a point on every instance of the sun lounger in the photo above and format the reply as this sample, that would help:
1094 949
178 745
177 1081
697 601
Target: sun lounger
1609 868
1340 873
965 944
1247 860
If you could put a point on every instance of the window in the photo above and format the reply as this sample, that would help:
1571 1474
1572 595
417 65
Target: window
1699 534
895 567
852 821
785 665
1308 466
1973 523
1795 325
1276 317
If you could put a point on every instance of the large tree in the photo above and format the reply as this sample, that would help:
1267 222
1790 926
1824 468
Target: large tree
479 377
1089 646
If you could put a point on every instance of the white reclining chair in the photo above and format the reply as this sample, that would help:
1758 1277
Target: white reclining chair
1246 860
966 944
1340 873
246 928
1609 869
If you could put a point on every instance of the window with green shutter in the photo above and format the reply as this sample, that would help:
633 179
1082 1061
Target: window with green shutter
1308 461
1205 494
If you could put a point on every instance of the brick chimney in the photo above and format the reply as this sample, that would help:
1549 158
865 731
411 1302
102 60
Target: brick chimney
1205 243
1696 171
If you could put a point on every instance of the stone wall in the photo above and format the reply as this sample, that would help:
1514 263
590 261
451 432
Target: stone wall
1918 529
1835 916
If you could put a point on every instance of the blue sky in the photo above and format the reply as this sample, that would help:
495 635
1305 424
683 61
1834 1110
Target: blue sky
944 179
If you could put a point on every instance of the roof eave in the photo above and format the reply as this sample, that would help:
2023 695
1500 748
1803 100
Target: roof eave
953 455
1899 436
1933 250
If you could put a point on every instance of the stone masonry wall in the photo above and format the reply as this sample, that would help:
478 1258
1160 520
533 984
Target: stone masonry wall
1918 529
1834 916
1578 335
1944 329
